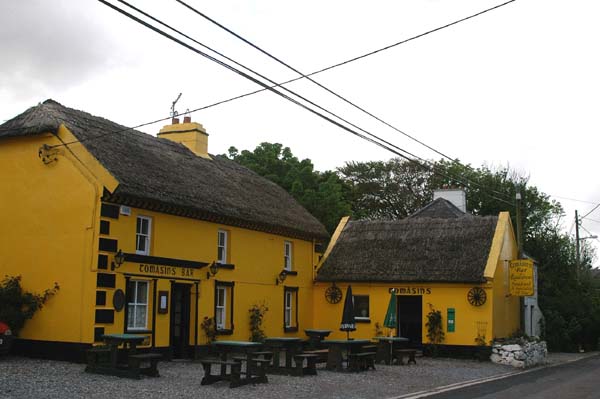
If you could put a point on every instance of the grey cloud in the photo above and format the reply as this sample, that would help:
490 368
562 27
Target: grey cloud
51 44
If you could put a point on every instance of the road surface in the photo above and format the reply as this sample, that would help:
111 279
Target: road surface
576 380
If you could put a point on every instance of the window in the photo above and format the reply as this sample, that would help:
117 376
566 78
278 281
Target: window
287 255
222 246
142 235
224 307
220 309
361 307
290 309
137 305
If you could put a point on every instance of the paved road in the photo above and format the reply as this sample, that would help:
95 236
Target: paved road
577 380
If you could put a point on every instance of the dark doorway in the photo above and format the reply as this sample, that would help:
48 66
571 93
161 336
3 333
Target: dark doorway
180 319
410 318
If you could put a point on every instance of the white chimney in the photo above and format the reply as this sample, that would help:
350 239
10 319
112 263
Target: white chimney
456 196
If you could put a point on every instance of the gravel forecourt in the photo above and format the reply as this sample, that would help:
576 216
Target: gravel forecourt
34 378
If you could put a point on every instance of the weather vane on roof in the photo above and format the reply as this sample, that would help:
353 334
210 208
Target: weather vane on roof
173 112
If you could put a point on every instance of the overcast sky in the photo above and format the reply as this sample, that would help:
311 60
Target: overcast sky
517 86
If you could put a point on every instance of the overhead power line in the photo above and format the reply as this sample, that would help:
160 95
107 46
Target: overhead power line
339 96
593 209
373 138
370 137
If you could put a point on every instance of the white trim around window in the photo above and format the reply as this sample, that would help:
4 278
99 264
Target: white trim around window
288 255
137 311
222 238
143 231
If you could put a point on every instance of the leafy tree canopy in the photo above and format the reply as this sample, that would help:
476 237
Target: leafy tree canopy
323 194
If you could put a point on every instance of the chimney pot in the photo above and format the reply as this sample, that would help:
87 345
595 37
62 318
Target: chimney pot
187 119
174 121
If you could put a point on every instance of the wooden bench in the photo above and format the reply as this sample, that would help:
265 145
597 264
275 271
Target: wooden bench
322 354
150 360
361 361
98 355
258 368
311 362
233 377
369 348
401 353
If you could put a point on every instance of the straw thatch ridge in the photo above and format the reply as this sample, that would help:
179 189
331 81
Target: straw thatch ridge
411 250
160 174
440 208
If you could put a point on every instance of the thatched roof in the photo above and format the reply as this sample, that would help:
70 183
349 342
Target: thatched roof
159 174
440 208
419 249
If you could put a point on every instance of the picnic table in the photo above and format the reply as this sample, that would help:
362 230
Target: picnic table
254 369
105 359
335 359
290 345
315 336
386 347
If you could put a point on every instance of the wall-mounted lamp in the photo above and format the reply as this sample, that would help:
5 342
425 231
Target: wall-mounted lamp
212 270
118 260
281 277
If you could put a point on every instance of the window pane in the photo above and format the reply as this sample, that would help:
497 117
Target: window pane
361 305
140 316
144 227
221 254
131 291
138 227
142 292
130 315
220 296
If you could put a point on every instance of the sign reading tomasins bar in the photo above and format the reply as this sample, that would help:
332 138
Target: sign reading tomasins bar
521 277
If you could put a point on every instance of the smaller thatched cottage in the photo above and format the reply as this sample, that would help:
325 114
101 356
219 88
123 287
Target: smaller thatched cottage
439 258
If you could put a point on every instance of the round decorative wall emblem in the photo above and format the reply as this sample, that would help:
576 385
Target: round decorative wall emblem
119 300
476 296
333 294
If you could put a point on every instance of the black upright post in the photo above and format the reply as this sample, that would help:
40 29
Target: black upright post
196 322
154 312
126 312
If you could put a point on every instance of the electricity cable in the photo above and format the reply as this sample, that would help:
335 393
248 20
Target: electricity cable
373 138
339 96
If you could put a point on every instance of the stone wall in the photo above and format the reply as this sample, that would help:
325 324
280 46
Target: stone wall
523 355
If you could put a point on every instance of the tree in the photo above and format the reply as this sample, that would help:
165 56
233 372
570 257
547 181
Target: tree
323 194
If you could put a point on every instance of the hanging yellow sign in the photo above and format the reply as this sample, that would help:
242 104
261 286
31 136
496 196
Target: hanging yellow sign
521 277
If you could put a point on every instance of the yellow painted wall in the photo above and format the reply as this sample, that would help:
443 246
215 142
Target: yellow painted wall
47 234
258 259
497 318
442 297
506 307
50 232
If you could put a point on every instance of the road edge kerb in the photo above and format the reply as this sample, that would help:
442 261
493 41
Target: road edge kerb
483 380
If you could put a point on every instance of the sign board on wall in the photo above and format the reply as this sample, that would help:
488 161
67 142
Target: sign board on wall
521 277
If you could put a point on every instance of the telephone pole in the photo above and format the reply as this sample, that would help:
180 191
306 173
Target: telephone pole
577 242
519 224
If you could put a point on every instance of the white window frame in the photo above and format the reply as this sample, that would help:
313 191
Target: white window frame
225 235
131 316
145 237
288 255
288 308
221 308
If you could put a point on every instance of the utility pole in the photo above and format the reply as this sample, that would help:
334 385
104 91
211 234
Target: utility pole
577 242
519 224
